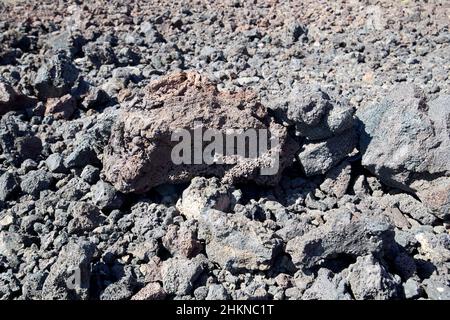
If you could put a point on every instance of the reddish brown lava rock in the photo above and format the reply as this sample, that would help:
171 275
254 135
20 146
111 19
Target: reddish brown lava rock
138 156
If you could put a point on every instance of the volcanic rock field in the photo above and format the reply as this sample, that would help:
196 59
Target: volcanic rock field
93 207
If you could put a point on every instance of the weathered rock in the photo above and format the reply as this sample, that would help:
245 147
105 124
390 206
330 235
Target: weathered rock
17 140
369 280
181 240
55 77
319 157
203 194
236 242
82 155
69 276
327 286
217 292
61 108
138 156
85 217
105 196
337 180
342 236
55 163
315 115
11 100
179 274
405 141
90 174
8 185
437 287
36 181
152 291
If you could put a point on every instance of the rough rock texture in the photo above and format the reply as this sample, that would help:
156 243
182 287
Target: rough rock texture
138 156
342 236
405 141
11 100
338 220
235 242
370 280
205 194
69 276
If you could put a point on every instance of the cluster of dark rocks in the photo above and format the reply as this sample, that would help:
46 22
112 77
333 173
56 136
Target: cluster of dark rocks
91 206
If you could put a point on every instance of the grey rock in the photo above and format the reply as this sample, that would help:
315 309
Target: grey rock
202 194
123 288
369 280
90 174
8 185
85 217
105 196
69 276
36 181
405 142
342 236
81 156
11 244
319 157
337 180
32 285
236 242
11 99
55 163
55 77
217 292
17 140
327 286
412 289
179 274
437 287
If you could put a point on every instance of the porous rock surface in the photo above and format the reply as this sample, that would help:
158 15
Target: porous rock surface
91 206
138 156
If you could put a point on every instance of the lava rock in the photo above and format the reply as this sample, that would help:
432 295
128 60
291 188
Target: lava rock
179 274
9 184
69 276
202 194
236 242
61 108
319 157
11 100
369 280
138 156
90 174
105 196
85 217
36 181
56 77
152 291
55 163
342 236
327 286
405 141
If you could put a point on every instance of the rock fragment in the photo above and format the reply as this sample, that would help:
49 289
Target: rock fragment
405 141
69 276
342 236
236 242
55 77
203 194
139 154
61 108
179 274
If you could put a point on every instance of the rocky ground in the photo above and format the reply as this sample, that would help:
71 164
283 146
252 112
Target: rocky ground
92 207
